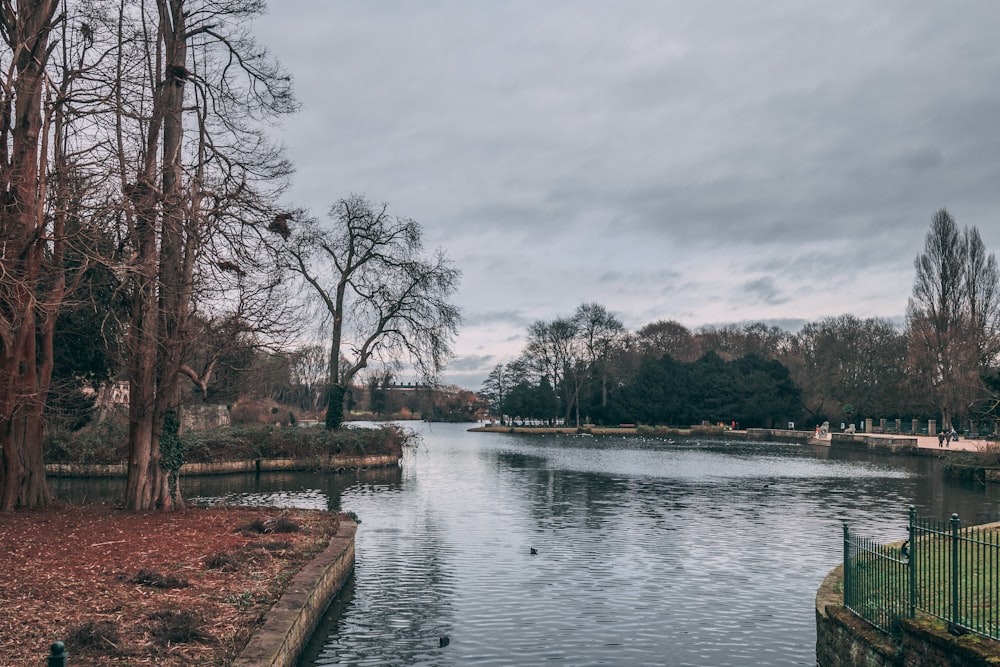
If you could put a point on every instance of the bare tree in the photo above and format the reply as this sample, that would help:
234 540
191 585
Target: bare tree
602 334
848 367
385 301
556 350
953 316
310 368
33 283
199 181
667 337
734 341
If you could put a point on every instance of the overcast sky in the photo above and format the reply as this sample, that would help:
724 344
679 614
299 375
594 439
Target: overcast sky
706 162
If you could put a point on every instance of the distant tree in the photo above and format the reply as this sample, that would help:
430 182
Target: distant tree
384 300
555 350
953 316
765 394
94 314
751 390
602 335
849 362
658 395
532 401
667 337
733 342
495 388
310 366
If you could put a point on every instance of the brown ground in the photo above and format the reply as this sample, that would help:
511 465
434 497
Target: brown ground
144 588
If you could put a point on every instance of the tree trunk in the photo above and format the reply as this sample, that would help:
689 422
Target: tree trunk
22 468
22 391
162 292
335 407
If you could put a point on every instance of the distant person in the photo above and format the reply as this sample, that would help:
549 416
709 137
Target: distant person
941 439
954 434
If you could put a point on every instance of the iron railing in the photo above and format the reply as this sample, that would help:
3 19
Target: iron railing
942 570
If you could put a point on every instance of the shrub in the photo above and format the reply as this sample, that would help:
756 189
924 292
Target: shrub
107 443
94 635
104 442
154 579
170 626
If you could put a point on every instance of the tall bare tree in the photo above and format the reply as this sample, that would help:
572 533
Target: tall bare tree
602 334
33 284
384 299
953 315
192 90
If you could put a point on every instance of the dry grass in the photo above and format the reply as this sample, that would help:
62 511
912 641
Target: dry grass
140 588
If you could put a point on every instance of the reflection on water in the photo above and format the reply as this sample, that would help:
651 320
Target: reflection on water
312 490
648 552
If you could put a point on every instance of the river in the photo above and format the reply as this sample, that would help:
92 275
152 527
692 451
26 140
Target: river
578 550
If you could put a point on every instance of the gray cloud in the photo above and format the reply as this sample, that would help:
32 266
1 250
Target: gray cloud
471 363
704 162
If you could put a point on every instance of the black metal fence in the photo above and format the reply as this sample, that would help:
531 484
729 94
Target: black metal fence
942 570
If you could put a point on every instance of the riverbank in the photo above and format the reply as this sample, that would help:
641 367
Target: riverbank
324 463
590 429
173 588
924 641
923 443
896 443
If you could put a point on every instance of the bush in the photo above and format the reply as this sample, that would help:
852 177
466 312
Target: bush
243 443
171 626
106 443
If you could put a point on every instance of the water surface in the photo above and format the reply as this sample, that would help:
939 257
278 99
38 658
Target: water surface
649 552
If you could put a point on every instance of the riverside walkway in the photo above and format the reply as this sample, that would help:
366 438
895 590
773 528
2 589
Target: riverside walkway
929 442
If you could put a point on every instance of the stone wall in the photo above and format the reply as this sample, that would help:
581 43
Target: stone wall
844 640
334 463
862 442
203 416
289 624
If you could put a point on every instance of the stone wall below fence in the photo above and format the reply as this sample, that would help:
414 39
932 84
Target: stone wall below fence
844 640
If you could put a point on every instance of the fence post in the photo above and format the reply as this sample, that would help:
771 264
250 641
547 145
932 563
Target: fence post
955 524
911 559
57 655
848 598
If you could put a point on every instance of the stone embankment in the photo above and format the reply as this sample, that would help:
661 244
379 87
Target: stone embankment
844 640
231 467
290 623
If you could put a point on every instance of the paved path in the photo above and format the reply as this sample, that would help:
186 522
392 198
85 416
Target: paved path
931 442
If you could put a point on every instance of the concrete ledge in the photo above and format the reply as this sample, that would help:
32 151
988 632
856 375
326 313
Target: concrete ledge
231 467
289 624
779 435
873 443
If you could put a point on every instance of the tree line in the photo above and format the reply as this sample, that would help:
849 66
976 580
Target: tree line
942 362
144 236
